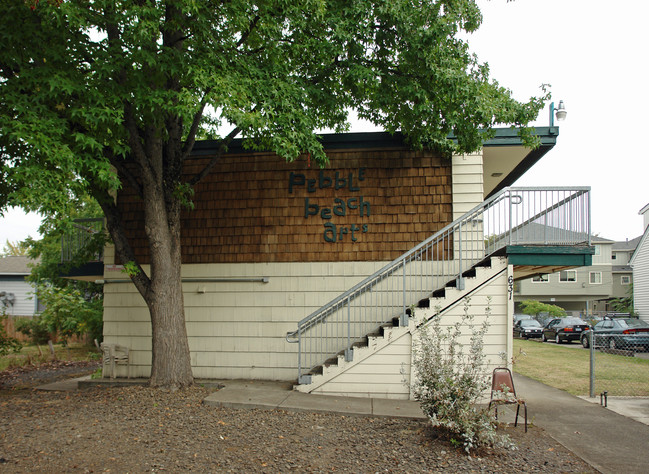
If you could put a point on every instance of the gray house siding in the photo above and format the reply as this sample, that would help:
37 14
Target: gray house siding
640 265
622 271
586 290
570 295
19 299
23 296
622 283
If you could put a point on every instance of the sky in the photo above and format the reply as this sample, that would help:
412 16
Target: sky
592 53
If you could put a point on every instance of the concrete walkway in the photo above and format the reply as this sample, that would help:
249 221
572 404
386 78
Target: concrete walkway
608 441
279 395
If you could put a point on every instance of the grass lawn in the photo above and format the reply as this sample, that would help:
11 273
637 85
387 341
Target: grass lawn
568 369
31 354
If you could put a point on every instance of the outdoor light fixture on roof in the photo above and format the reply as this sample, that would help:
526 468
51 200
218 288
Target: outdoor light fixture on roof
560 112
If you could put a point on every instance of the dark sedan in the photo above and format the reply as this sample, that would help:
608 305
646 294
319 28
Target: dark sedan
619 333
564 329
527 328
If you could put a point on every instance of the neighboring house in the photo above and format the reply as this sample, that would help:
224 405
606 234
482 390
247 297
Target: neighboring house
622 271
640 264
17 296
296 273
644 212
585 290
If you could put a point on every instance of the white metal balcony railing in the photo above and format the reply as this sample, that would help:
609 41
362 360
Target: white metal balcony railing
515 216
73 243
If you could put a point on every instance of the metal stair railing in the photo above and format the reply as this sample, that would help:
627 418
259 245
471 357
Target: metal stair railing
514 216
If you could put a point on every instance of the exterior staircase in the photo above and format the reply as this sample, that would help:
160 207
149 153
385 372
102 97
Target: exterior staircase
364 338
356 376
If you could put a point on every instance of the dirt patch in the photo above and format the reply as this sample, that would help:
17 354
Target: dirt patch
138 429
31 376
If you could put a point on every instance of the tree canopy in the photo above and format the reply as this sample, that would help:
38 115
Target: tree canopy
86 84
89 86
14 249
534 308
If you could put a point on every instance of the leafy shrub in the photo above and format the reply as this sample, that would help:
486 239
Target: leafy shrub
34 328
535 308
69 312
451 379
626 304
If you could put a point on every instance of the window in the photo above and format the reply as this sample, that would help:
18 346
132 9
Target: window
604 325
568 275
595 278
625 279
597 250
543 278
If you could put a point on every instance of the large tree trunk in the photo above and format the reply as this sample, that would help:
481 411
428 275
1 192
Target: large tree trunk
171 363
171 360
161 289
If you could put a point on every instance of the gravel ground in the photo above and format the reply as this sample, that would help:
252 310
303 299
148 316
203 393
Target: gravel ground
137 429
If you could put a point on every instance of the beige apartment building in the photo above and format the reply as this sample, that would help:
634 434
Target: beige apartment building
326 276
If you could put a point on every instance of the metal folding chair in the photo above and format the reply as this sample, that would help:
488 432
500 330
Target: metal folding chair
504 393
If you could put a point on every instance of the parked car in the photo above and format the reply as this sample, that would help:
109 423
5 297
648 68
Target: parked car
527 328
519 317
619 333
564 329
592 319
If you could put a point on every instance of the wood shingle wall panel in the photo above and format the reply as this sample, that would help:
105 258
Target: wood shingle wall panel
365 205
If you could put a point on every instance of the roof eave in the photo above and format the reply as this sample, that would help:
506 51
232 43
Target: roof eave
511 137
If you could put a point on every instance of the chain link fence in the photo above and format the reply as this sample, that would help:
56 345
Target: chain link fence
619 363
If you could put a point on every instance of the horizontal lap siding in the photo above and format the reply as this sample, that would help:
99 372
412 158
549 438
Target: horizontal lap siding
467 180
239 331
641 279
236 330
493 295
24 297
384 374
